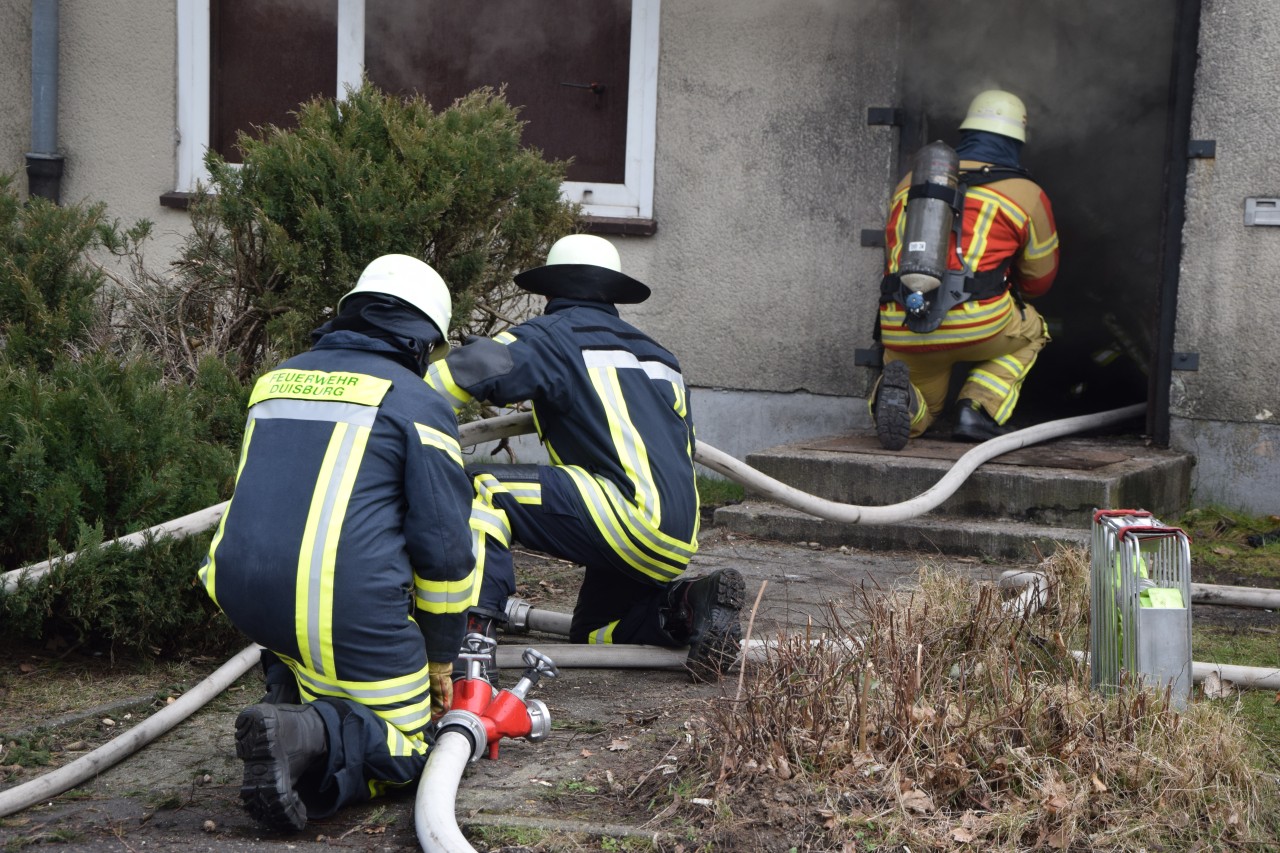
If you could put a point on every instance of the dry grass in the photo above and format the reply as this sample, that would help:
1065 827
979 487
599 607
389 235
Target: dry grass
934 719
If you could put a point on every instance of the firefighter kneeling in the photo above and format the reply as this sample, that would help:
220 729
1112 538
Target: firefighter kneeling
346 552
611 407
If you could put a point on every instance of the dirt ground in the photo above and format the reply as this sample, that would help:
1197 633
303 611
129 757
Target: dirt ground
617 738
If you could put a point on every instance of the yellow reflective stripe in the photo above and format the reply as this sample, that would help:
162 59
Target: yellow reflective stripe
976 323
401 746
320 385
979 238
899 229
489 519
401 688
208 572
602 636
1007 390
318 553
1037 249
524 491
1003 203
648 535
446 596
505 338
440 440
609 512
440 378
627 442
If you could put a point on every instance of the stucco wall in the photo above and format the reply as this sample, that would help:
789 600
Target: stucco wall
766 173
15 94
1228 302
116 107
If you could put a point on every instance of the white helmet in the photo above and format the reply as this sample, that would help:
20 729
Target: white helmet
583 266
411 281
998 112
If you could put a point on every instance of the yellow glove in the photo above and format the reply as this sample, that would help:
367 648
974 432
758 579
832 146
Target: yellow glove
441 675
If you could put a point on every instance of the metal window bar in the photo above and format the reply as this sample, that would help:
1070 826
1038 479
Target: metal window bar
1132 554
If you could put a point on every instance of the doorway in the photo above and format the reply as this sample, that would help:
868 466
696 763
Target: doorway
1096 79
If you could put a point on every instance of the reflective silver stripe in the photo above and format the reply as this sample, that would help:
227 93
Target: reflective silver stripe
622 359
619 539
315 574
459 592
642 529
410 690
314 410
440 440
628 442
600 636
492 520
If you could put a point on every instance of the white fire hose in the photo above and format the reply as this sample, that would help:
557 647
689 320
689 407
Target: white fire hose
435 819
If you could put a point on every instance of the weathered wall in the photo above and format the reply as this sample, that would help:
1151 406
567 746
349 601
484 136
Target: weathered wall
15 94
116 106
1228 411
766 172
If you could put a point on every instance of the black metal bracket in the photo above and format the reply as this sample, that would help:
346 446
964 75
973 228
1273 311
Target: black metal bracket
1186 361
872 237
868 357
1202 149
884 115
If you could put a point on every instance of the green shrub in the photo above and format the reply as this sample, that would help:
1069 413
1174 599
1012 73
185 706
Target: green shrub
101 442
282 237
138 601
47 283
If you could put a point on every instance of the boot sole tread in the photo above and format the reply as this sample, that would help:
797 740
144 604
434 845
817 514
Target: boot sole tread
893 406
719 648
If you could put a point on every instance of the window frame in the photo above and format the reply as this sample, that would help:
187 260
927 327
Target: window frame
632 199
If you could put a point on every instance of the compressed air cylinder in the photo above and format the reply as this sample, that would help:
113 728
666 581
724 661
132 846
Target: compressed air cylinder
923 261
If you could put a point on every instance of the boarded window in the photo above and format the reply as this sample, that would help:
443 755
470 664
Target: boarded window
267 57
565 63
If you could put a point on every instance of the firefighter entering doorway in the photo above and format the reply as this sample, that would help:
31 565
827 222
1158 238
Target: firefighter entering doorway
969 237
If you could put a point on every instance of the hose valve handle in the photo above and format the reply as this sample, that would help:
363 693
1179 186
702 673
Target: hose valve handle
478 650
537 667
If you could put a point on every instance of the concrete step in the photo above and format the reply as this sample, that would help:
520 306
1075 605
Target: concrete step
1057 483
1017 506
996 539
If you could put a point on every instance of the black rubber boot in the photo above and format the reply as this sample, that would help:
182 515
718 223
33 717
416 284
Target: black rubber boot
973 424
277 743
892 411
705 614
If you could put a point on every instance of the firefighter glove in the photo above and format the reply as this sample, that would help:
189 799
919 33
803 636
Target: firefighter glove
441 675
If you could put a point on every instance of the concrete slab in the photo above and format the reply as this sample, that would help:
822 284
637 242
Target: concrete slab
1058 483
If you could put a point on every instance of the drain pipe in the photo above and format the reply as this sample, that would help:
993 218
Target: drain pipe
44 163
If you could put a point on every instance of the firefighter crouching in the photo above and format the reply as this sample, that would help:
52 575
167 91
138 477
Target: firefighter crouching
611 407
969 237
346 552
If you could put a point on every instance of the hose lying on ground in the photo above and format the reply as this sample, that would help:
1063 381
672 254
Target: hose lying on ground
64 778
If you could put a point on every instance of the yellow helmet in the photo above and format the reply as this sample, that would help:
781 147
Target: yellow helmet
998 112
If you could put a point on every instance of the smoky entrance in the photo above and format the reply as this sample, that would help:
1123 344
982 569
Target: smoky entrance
1095 77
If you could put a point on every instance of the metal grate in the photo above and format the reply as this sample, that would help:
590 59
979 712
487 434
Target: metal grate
1140 603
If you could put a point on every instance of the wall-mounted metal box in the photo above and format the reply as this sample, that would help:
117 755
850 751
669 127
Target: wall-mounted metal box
1262 211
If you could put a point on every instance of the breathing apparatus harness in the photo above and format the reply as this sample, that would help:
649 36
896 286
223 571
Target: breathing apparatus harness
924 285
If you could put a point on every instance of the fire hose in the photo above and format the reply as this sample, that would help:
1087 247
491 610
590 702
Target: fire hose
447 766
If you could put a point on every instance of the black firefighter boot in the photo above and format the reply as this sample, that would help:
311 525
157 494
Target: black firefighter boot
277 743
704 613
